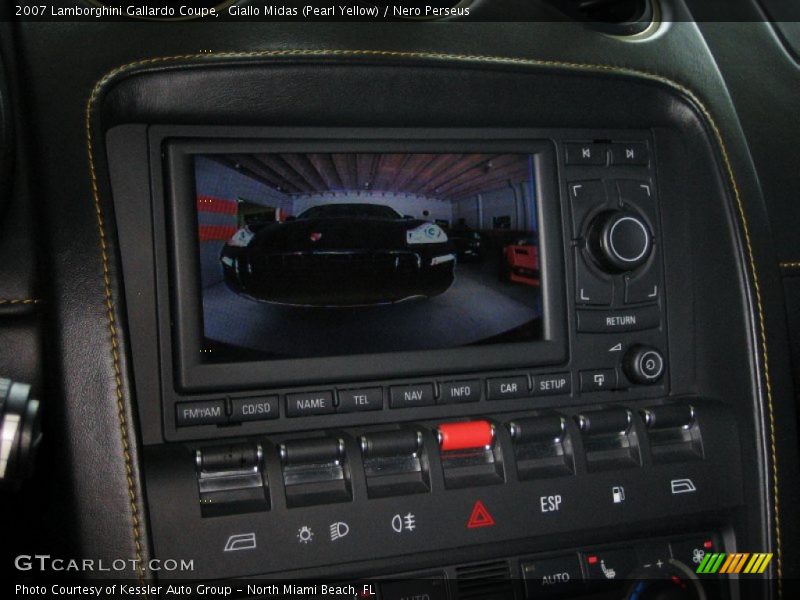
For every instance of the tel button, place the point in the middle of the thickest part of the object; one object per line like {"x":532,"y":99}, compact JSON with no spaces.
{"x":557,"y":576}
{"x":254,"y":409}
{"x":460,"y":391}
{"x":358,"y":400}
{"x":309,"y":403}
{"x":507,"y":388}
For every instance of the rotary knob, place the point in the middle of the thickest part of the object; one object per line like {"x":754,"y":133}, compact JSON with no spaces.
{"x":643,"y":364}
{"x":619,"y":241}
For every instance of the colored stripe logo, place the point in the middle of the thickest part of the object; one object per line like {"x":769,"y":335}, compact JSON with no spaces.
{"x":735,"y":562}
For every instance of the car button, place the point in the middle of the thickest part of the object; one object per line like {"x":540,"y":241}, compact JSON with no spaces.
{"x":309,"y":403}
{"x":507,"y":388}
{"x":585,"y":198}
{"x":408,"y":396}
{"x":360,"y":400}
{"x":591,"y":288}
{"x":632,"y":319}
{"x":585,"y":154}
{"x":632,"y":153}
{"x":548,"y":385}
{"x":610,"y":565}
{"x":558,"y":576}
{"x":254,"y":409}
{"x":460,"y":391}
{"x":208,"y":412}
{"x":598,"y":380}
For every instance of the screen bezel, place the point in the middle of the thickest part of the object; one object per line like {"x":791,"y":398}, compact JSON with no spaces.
{"x":192,"y":374}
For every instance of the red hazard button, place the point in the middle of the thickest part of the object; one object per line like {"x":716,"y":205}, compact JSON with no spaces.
{"x":480,"y":517}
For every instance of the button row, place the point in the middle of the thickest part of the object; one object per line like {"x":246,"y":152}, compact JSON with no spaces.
{"x":596,"y":153}
{"x":326,"y":402}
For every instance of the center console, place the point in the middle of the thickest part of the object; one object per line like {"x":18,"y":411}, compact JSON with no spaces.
{"x":443,"y":352}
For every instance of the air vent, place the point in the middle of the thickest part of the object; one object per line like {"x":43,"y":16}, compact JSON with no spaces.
{"x":484,"y":580}
{"x":617,"y":17}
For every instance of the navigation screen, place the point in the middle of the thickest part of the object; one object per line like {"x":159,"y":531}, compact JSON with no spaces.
{"x":310,"y":255}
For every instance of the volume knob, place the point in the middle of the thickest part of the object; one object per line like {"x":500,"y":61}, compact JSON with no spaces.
{"x":619,"y":241}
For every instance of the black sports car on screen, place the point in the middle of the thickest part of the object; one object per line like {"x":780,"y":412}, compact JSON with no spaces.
{"x":340,"y":255}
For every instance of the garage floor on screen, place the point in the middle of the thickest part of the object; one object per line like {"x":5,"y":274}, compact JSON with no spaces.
{"x":476,"y":307}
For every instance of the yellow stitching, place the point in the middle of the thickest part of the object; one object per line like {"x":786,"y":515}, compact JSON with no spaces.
{"x":791,"y":264}
{"x":498,"y":60}
{"x":21,"y":301}
{"x":109,"y":302}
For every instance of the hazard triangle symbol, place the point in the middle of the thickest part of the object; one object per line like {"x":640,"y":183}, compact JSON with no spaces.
{"x":480,"y":517}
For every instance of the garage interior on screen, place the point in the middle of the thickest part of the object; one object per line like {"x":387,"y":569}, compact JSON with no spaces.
{"x":478,"y":209}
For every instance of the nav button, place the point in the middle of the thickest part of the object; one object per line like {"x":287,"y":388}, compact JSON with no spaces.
{"x":409,"y":396}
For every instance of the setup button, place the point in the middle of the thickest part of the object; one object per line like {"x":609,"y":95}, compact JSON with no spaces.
{"x":547,"y":385}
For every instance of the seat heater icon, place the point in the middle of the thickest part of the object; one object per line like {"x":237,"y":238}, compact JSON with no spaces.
{"x":240,"y":541}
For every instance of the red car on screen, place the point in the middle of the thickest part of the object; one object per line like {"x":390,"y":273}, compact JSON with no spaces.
{"x":520,"y":262}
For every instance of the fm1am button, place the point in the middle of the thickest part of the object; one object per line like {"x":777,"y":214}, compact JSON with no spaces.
{"x":309,"y":403}
{"x":634,"y":319}
{"x":549,"y":385}
{"x":254,"y":409}
{"x":208,"y":412}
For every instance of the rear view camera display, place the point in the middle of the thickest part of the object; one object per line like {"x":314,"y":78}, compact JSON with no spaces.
{"x":310,"y":255}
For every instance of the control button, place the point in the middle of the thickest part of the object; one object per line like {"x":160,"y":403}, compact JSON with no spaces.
{"x":610,"y":565}
{"x":639,"y":196}
{"x":419,"y":588}
{"x":598,"y":380}
{"x":631,"y":153}
{"x":408,"y":396}
{"x":632,"y":319}
{"x":208,"y":412}
{"x":255,"y":409}
{"x":668,"y":416}
{"x":548,"y":385}
{"x":643,"y":364}
{"x":692,"y":551}
{"x":585,"y":154}
{"x":359,"y":400}
{"x":585,"y":198}
{"x":559,"y":576}
{"x":309,"y":403}
{"x":589,"y":287}
{"x":460,"y":391}
{"x":465,"y":435}
{"x":506,"y":388}
{"x":619,"y":241}
{"x":644,"y":287}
